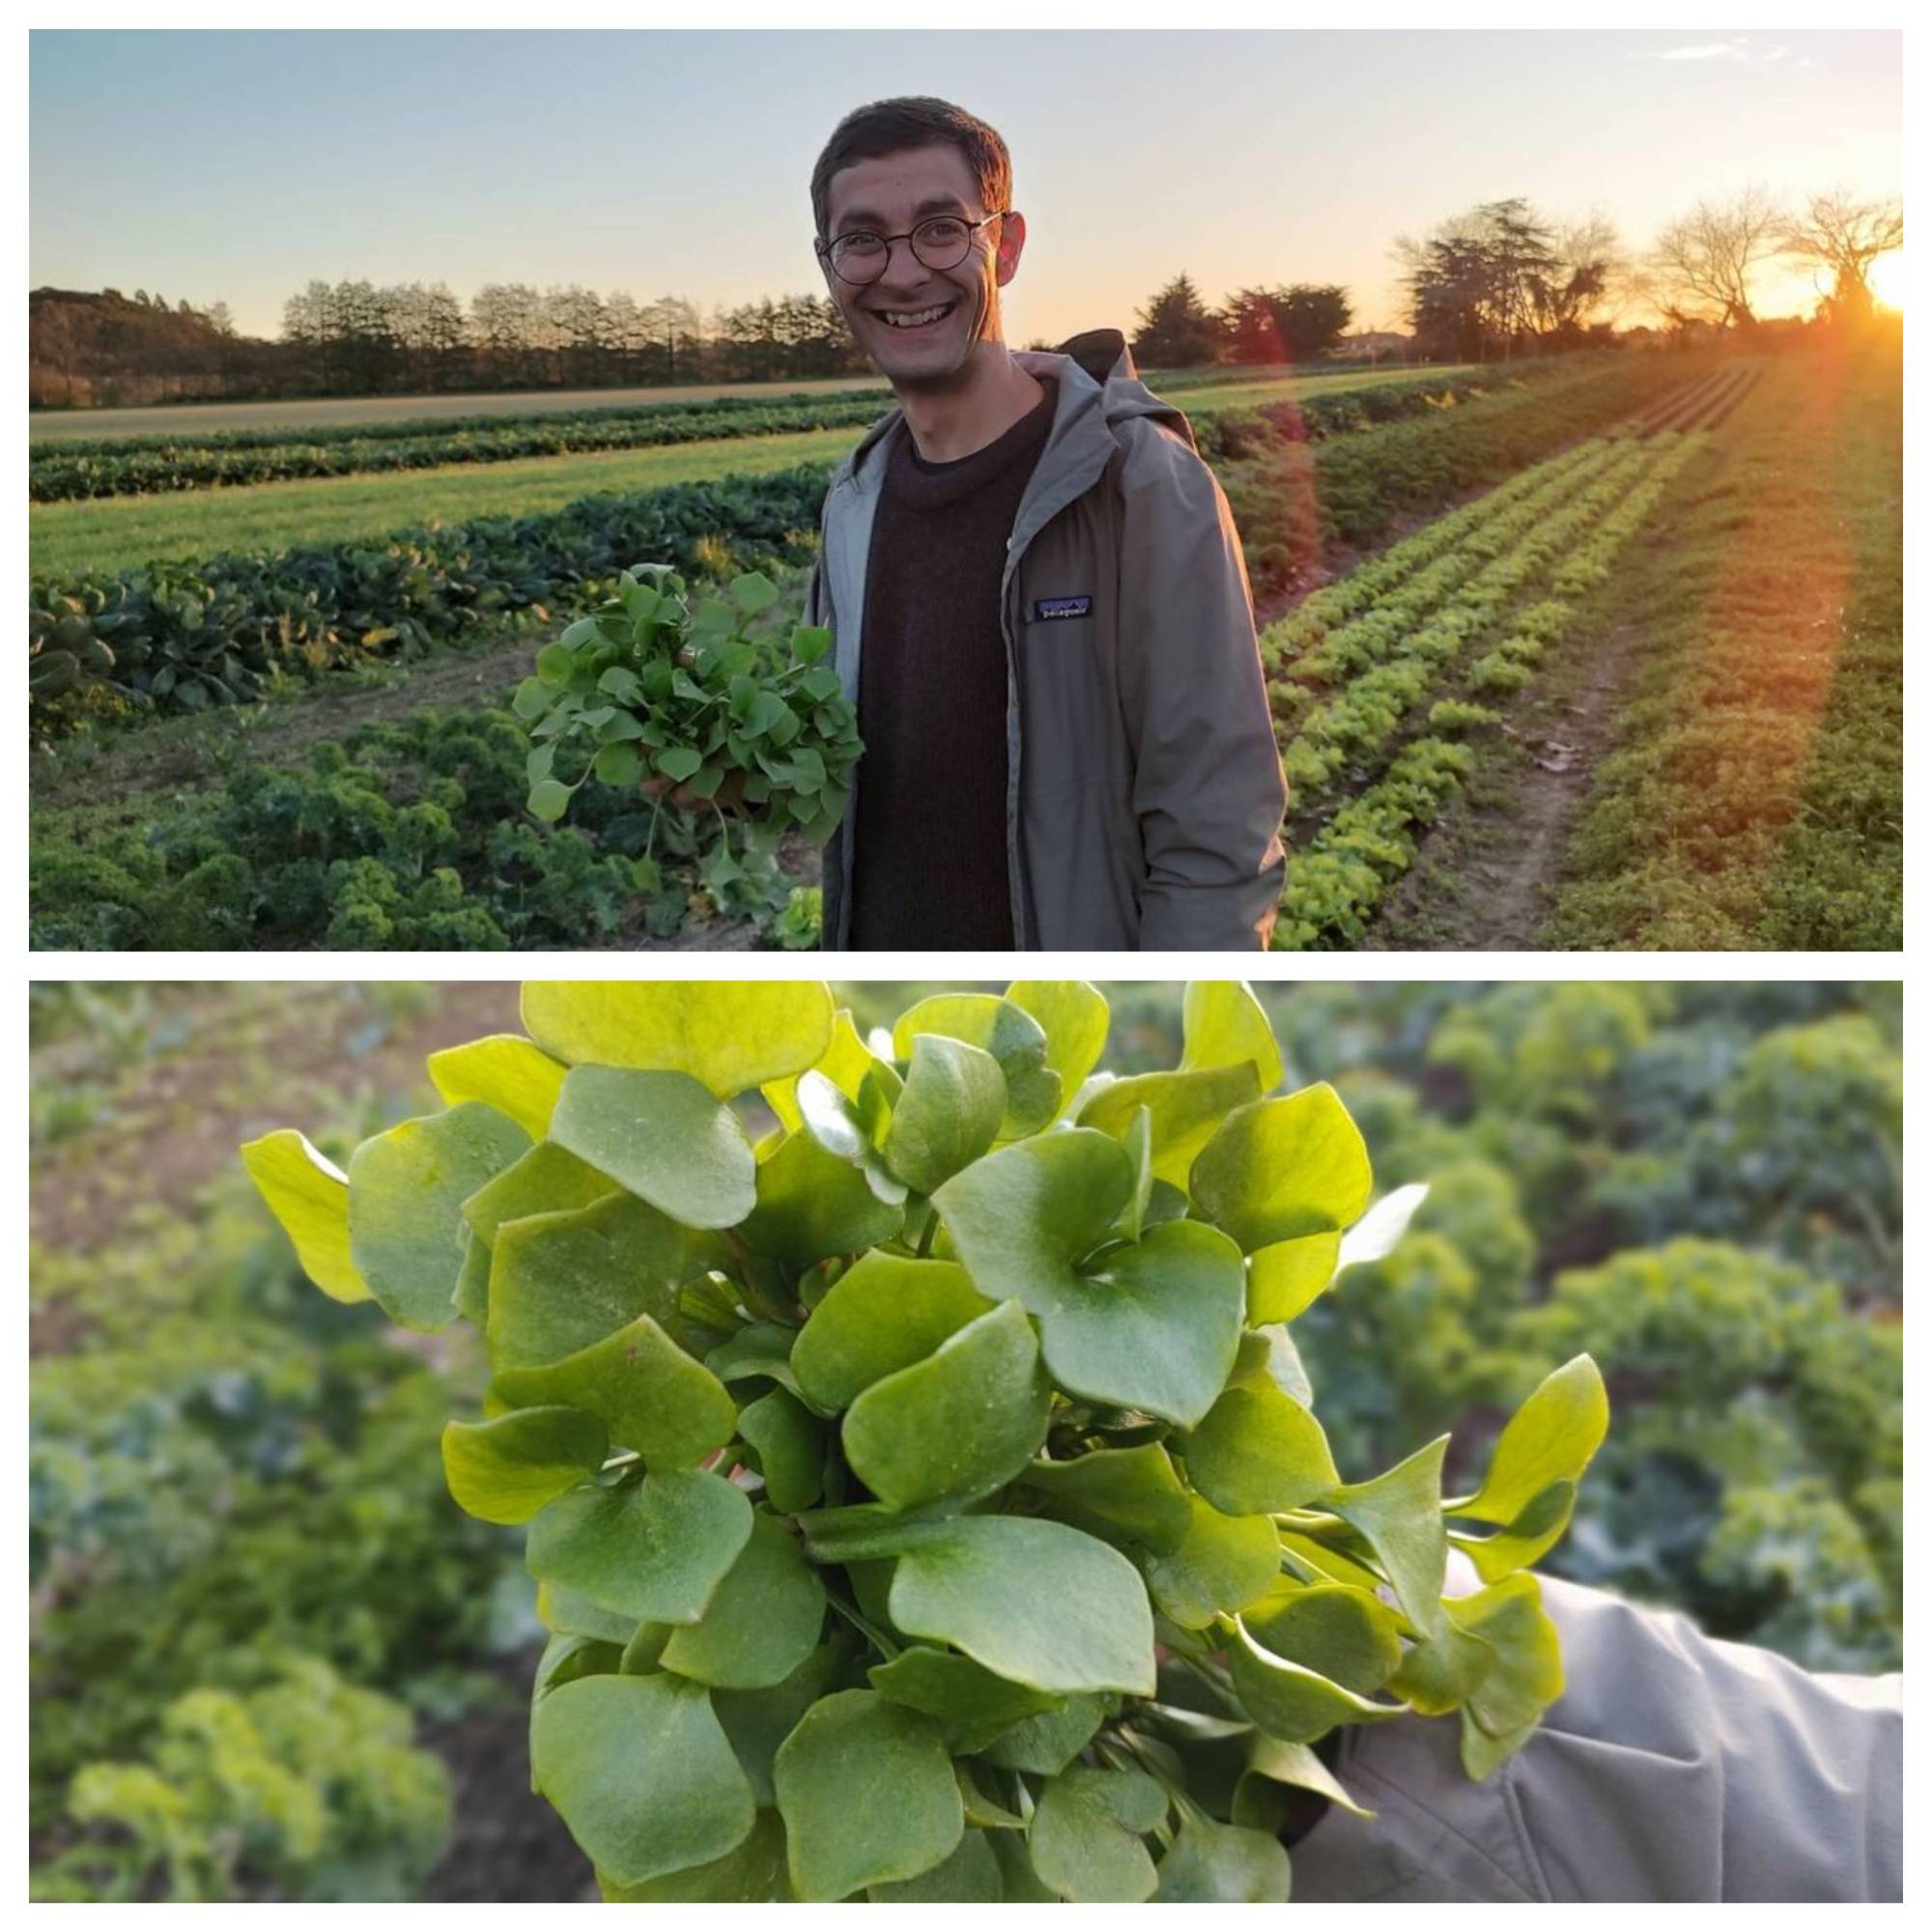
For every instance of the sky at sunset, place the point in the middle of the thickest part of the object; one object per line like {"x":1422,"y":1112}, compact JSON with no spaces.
{"x":245,"y":164}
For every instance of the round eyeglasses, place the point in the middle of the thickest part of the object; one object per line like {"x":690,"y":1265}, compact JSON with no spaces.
{"x":859,"y":256}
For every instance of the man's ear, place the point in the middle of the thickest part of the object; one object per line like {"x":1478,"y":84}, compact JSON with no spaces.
{"x":1013,"y":240}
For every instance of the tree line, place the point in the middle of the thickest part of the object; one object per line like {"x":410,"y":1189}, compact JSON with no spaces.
{"x":353,"y":339}
{"x":1502,"y":279}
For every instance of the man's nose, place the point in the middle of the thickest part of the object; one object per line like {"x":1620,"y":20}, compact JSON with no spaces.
{"x":904,"y":269}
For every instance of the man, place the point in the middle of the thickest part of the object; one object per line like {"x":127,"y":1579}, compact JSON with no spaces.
{"x":1067,"y":741}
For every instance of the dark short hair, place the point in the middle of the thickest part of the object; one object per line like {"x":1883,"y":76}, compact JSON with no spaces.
{"x":912,"y":121}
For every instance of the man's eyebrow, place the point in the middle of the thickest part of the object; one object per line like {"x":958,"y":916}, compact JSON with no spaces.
{"x":945,"y":204}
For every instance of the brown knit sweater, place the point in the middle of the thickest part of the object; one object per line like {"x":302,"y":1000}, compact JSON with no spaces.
{"x":929,"y":839}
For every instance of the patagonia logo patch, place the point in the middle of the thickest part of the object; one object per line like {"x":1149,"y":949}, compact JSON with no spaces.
{"x":1063,"y":607}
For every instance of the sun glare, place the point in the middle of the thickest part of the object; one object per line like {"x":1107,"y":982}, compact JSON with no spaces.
{"x":1887,"y":280}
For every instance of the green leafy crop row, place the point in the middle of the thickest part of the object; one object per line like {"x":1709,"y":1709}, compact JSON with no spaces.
{"x":65,"y":471}
{"x":871,"y":1469}
{"x":70,"y":469}
{"x":181,"y":638}
{"x":1295,"y":505}
{"x":403,"y":835}
{"x":1433,"y":601}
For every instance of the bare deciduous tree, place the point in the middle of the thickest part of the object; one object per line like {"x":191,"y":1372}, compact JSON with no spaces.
{"x":1701,"y":264}
{"x":1844,"y":237}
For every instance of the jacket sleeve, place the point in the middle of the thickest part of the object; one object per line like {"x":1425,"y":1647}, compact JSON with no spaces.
{"x":1208,"y":783}
{"x":1675,"y":1768}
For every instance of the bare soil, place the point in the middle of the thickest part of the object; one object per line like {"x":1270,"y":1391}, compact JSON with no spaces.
{"x":1487,"y":876}
{"x":172,"y":1122}
{"x":506,"y":1844}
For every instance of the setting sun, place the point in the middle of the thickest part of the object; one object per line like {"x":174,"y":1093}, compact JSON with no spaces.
{"x":1887,"y":280}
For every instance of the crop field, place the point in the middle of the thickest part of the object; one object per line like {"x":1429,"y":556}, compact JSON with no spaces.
{"x":116,"y":505}
{"x":1471,"y":587}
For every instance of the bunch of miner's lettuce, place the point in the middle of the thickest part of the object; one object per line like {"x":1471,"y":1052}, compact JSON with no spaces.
{"x":926,"y":1497}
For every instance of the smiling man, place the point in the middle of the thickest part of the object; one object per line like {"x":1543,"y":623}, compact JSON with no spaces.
{"x":1037,"y":595}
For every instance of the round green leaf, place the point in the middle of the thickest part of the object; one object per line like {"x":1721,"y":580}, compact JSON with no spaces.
{"x":1281,"y":1168}
{"x":1049,"y":1742}
{"x":810,"y":1204}
{"x":1527,"y":1675}
{"x":406,"y":1193}
{"x":1223,"y":1564}
{"x":1074,"y":1017}
{"x":844,"y":1063}
{"x":729,"y":1036}
{"x":885,"y":1313}
{"x":308,"y":1194}
{"x":789,"y":1444}
{"x":546,"y":1180}
{"x":1019,"y":1219}
{"x":1211,"y":1864}
{"x":1290,"y":1702}
{"x":661,"y":1136}
{"x":751,"y":1873}
{"x":1153,"y":1326}
{"x":764,"y":1620}
{"x":1285,"y":1277}
{"x":851,"y":1127}
{"x":1134,"y":1493}
{"x":759,"y":1721}
{"x":1185,"y":1110}
{"x":957,"y":1424}
{"x":569,"y":1614}
{"x":972,"y":1704}
{"x":1222,"y":1024}
{"x":947,"y":1117}
{"x":1011,"y":1035}
{"x":1257,"y":1451}
{"x":1348,"y":1634}
{"x":652,"y":1397}
{"x":506,"y":1471}
{"x":641,"y":1772}
{"x":549,"y":800}
{"x":620,"y":764}
{"x":658,"y":1550}
{"x":561,"y":1282}
{"x":971,"y":1876}
{"x":868,"y":1795}
{"x":1085,"y":1838}
{"x":1036,"y":1601}
{"x":504,"y":1070}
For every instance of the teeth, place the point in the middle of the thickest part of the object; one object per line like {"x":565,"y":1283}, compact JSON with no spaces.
{"x":915,"y":320}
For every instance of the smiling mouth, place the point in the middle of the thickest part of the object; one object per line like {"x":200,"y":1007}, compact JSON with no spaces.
{"x":909,"y":322}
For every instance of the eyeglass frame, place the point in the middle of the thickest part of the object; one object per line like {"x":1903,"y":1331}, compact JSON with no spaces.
{"x":823,"y":248}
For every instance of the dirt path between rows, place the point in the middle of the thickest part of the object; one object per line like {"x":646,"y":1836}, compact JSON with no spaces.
{"x":1486,"y":879}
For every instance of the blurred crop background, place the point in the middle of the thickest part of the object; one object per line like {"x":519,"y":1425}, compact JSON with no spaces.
{"x":272,"y":1659}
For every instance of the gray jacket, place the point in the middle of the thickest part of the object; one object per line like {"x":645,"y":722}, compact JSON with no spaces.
{"x":1144,"y":790}
{"x":1674,"y":1767}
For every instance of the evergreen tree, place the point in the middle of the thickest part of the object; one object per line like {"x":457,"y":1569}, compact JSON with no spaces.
{"x":1177,"y":330}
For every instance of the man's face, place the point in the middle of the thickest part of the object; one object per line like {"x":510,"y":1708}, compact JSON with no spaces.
{"x":890,"y":196}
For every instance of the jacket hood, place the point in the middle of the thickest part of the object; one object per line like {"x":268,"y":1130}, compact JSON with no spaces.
{"x":1099,"y":389}
{"x":1103,"y":354}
